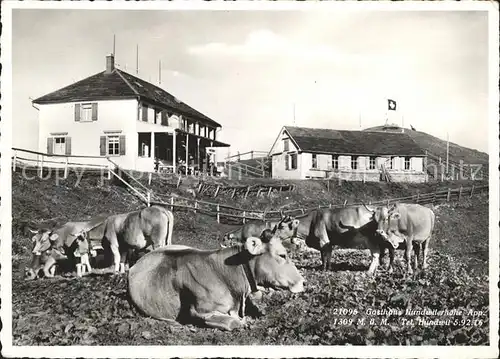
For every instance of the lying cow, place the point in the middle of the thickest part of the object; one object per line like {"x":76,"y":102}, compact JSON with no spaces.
{"x":411,"y":223}
{"x":209,"y":287}
{"x":128,"y":232}
{"x":287,"y":225}
{"x":51,"y":246}
{"x":348,"y":227}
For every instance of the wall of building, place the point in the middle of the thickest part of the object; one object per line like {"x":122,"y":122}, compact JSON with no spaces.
{"x":279,"y":167}
{"x":344,"y":172}
{"x":117,"y":117}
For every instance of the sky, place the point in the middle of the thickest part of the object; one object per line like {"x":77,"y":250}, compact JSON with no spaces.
{"x":256,"y":71}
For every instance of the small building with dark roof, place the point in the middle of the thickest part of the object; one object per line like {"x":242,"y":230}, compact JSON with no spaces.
{"x":301,"y":153}
{"x":115,"y":114}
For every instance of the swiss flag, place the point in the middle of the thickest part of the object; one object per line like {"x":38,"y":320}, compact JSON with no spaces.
{"x":392,"y":105}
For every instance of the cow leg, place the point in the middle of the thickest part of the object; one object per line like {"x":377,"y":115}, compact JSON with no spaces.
{"x":375,"y":260}
{"x":218,"y":320}
{"x":116,"y":256}
{"x":391,"y":259}
{"x":46,"y":268}
{"x":326,"y":255}
{"x":409,"y":247}
{"x":416,"y":257}
{"x":425,"y":248}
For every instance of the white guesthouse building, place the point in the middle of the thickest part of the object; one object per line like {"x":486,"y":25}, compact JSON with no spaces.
{"x":300,"y":153}
{"x":115,"y":114}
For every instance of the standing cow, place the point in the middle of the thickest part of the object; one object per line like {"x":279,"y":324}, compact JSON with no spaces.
{"x":411,"y":223}
{"x":127,"y":232}
{"x":209,"y":287}
{"x":349,"y":227}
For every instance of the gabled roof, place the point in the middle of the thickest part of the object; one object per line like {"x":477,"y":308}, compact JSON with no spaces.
{"x":120,"y":85}
{"x":319,"y":140}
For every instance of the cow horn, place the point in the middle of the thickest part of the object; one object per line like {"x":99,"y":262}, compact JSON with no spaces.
{"x":371,"y":210}
{"x":33,"y":231}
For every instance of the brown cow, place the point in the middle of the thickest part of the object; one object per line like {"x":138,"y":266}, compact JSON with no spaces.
{"x":137,"y":230}
{"x":209,"y":287}
{"x":410,"y":223}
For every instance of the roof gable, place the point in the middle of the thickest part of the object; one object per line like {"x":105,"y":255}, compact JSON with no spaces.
{"x":354,"y":142}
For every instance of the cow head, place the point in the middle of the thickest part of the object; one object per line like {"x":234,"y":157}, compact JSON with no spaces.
{"x":42,"y":241}
{"x":286,"y":228}
{"x":272,"y":266}
{"x":387,"y":220}
{"x":391,"y":230}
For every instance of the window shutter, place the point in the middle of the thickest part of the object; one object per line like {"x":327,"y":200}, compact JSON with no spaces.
{"x":94,"y":111}
{"x":102,"y":146}
{"x":122,"y":145}
{"x":77,"y":112}
{"x":145,"y":113}
{"x":68,"y":145}
{"x":50,"y":145}
{"x":164,"y":118}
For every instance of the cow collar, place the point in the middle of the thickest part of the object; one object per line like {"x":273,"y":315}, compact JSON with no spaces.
{"x":249,"y":274}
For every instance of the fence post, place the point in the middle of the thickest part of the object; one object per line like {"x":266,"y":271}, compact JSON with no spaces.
{"x":218,"y":214}
{"x":178,"y":182}
{"x":171,"y":204}
{"x":460,"y":193}
{"x":217,"y":191}
{"x":244,"y":217}
{"x":345,"y":202}
{"x":195,"y":206}
{"x":434,"y":198}
{"x":14,"y":161}
{"x":471,"y":191}
{"x":66,"y":168}
{"x":449,"y":194}
{"x":418,"y":196}
{"x":239,"y":172}
{"x":330,"y":205}
{"x":40,"y":172}
{"x":149,"y":199}
{"x":149,"y":178}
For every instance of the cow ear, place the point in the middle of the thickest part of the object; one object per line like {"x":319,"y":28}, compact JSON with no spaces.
{"x":53,"y":237}
{"x":254,"y":246}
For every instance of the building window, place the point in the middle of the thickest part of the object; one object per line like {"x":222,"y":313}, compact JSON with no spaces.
{"x":407,"y":163}
{"x":59,"y":146}
{"x":335,"y":162}
{"x":286,"y":144}
{"x":354,"y":162}
{"x":86,"y":112}
{"x":314,"y":161}
{"x":157,"y":116}
{"x":113,"y":145}
{"x":291,"y":161}
{"x":388,"y":163}
{"x":372,"y":164}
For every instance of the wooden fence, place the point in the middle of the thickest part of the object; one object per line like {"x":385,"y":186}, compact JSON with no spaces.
{"x":230,"y":213}
{"x":44,"y":161}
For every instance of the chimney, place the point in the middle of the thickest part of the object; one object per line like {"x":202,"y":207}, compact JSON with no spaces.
{"x":110,"y":64}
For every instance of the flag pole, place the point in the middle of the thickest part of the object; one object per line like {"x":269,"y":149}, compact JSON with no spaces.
{"x":294,"y":113}
{"x":447,"y":150}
